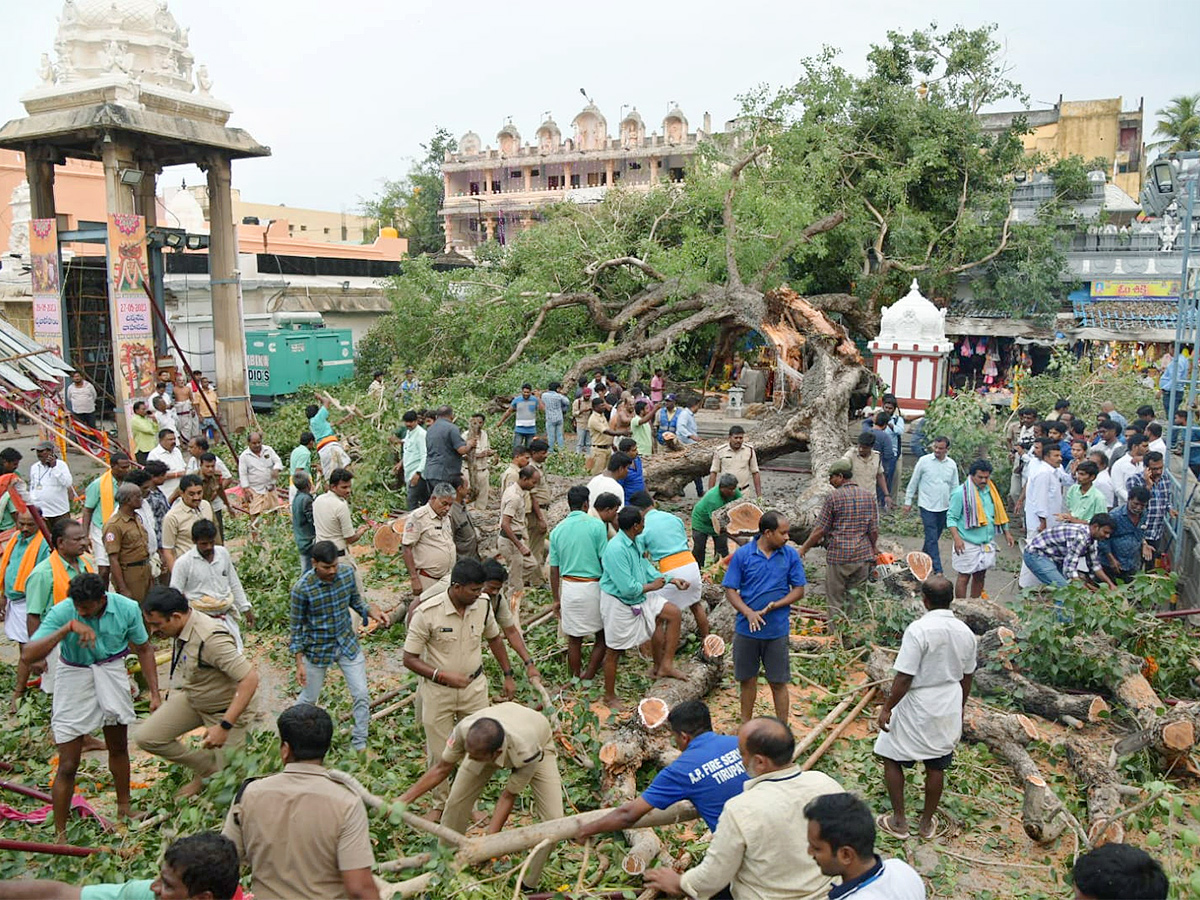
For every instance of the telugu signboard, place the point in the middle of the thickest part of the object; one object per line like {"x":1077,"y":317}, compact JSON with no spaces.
{"x":1135,"y":289}
{"x":46,"y":274}
{"x":129,"y":309}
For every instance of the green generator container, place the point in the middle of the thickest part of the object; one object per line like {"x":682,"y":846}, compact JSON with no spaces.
{"x":298,"y":352}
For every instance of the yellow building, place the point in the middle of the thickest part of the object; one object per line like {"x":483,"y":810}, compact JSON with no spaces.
{"x":1087,"y":128}
{"x":318,"y":225}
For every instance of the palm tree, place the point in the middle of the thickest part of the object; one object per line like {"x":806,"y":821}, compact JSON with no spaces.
{"x":1179,"y":125}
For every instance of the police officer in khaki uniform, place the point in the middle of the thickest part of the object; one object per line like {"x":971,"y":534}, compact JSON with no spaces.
{"x":736,"y":458}
{"x":303,"y":833}
{"x":504,"y":736}
{"x":520,"y":459}
{"x":514,"y":535}
{"x":428,"y":544}
{"x":444,"y":646}
{"x":212,"y":684}
{"x":540,"y":499}
{"x":128,"y":545}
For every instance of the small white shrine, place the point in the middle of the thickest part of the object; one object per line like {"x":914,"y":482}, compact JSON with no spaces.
{"x":911,"y":351}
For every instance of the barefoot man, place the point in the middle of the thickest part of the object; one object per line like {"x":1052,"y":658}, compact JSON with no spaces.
{"x":95,"y":630}
{"x":633,"y":607}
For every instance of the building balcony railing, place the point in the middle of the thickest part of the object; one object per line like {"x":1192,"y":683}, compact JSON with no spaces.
{"x":541,"y":193}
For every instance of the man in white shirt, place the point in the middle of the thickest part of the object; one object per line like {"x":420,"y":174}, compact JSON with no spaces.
{"x":50,"y":483}
{"x":1154,"y":432}
{"x":841,"y":840}
{"x":168,"y":453}
{"x":206,"y":575}
{"x":1110,"y":441}
{"x":258,"y":470}
{"x":1104,"y":483}
{"x":81,"y":399}
{"x":1044,"y":498}
{"x":331,"y":515}
{"x":1127,"y":466}
{"x":755,"y":851}
{"x":164,"y":416}
{"x":609,"y":481}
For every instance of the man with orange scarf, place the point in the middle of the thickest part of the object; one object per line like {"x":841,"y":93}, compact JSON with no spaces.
{"x":21,"y":553}
{"x":976,"y":512}
{"x":100,"y":502}
{"x":48,"y":582}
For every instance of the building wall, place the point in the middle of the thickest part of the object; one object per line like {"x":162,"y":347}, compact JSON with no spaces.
{"x":1091,"y":128}
{"x":318,"y":225}
{"x":78,"y":192}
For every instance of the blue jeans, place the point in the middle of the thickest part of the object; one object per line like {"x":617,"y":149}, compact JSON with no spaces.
{"x":583,"y":440}
{"x":521,"y":441}
{"x":934,"y":524}
{"x":1045,"y":569}
{"x":554,"y":434}
{"x":354,"y":670}
{"x":305,"y":562}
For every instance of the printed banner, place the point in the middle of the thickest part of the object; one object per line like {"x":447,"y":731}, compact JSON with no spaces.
{"x":1135,"y":289}
{"x":129,"y":311}
{"x":47,"y":302}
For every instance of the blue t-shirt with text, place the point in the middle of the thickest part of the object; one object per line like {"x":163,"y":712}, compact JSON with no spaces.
{"x":707,"y":773}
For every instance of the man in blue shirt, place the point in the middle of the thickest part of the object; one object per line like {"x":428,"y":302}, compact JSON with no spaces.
{"x":634,"y":480}
{"x":707,"y":772}
{"x":526,"y":407}
{"x":765,"y":577}
{"x":1125,"y":553}
{"x":557,"y":408}
{"x":1174,"y":382}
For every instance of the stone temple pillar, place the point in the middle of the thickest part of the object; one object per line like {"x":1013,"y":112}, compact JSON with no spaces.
{"x":229,"y":334}
{"x":39,"y":172}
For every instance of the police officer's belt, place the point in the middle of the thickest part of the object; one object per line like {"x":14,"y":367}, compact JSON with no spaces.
{"x":140,"y":562}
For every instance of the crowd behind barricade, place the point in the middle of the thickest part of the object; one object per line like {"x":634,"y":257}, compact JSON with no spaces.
{"x":622,"y":573}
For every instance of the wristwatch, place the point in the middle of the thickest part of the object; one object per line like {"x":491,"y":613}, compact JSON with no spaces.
{"x":228,"y":726}
{"x":507,"y":673}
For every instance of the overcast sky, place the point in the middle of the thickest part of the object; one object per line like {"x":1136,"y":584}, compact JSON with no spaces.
{"x":345,"y":92}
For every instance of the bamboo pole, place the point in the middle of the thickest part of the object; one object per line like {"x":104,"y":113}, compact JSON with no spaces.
{"x":837,"y":732}
{"x":812,"y":736}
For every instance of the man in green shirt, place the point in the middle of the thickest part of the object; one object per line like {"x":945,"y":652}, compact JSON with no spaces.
{"x":973,"y":517}
{"x":576,"y":545}
{"x":10,"y":459}
{"x":22,"y":552}
{"x":702,"y":527}
{"x":301,"y":460}
{"x":94,"y":629}
{"x":145,"y":432}
{"x":198,"y":867}
{"x":1084,"y":499}
{"x":633,"y":609}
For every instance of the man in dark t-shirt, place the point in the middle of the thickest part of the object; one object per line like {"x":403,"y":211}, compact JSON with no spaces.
{"x":708,"y":772}
{"x":444,"y":449}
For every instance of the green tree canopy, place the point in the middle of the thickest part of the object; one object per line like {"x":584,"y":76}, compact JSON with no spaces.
{"x":1179,"y":125}
{"x":411,"y":204}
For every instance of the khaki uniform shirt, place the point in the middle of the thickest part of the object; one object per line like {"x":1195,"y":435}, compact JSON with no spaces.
{"x":178,"y":522}
{"x":746,"y":851}
{"x":541,"y":493}
{"x":207,"y":665}
{"x":431,"y":538}
{"x":598,"y":425}
{"x":500,"y":608}
{"x":449,"y":641}
{"x":742,"y":463}
{"x":509,"y":477}
{"x":299,"y":830}
{"x":865,"y":471}
{"x":527,"y":738}
{"x":125,"y":538}
{"x":512,"y":503}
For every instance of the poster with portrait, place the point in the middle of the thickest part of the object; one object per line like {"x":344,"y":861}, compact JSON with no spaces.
{"x":129,"y":310}
{"x":45,"y":272}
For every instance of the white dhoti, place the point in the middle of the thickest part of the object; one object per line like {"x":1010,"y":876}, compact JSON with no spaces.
{"x":580,"y":607}
{"x":53,"y":661}
{"x":99,"y":554}
{"x":689,"y":572}
{"x":332,"y":457}
{"x":221,"y":610}
{"x":626,"y":627}
{"x":974,"y":558}
{"x":90,"y":697}
{"x":16,"y":625}
{"x":926,"y":724}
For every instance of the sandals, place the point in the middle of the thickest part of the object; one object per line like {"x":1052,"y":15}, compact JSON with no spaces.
{"x":935,"y":829}
{"x":884,"y":823}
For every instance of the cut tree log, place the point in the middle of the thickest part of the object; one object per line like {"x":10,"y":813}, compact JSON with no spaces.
{"x":1172,"y":735}
{"x":983,"y":615}
{"x":1103,"y":792}
{"x":1040,"y":699}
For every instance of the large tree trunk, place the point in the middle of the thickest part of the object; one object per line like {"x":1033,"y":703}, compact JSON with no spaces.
{"x":1103,"y":791}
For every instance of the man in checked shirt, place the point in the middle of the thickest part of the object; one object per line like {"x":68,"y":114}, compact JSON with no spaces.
{"x":1153,"y":478}
{"x":1067,"y":551}
{"x":323,"y":634}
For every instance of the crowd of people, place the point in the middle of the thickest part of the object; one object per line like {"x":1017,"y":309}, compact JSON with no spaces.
{"x":622,"y":574}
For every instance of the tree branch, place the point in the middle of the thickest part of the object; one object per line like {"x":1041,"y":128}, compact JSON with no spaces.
{"x":986,"y":259}
{"x":595,"y":268}
{"x":735,"y":275}
{"x":819,"y":227}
